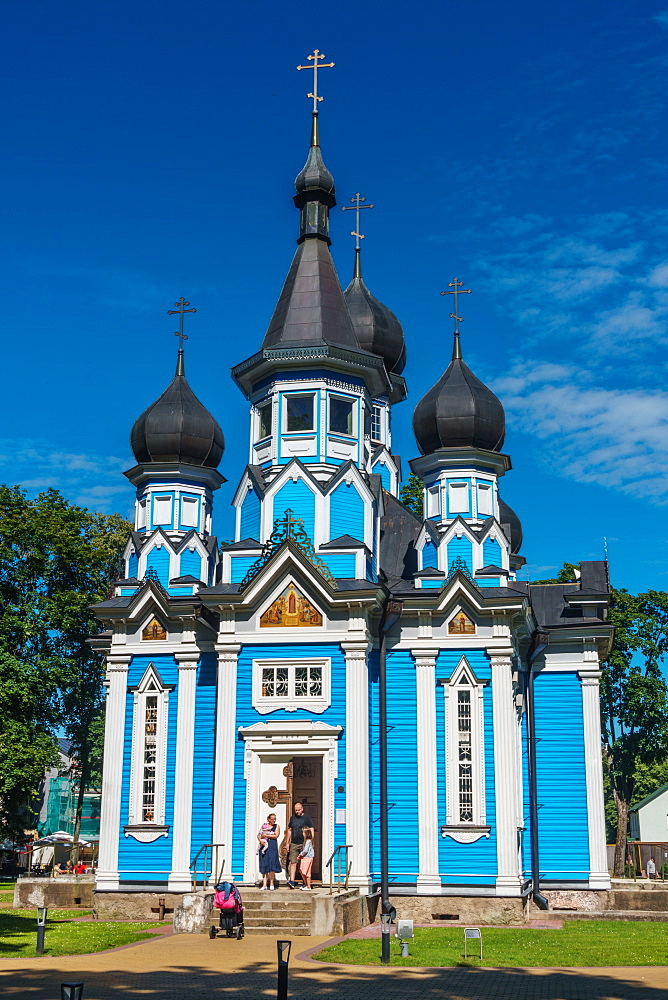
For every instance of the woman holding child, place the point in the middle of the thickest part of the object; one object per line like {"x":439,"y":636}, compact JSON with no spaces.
{"x":270,"y":863}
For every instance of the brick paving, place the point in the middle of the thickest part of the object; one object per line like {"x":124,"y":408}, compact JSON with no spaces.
{"x":191,"y":967}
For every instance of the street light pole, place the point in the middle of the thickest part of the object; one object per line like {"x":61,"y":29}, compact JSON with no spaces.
{"x":391,"y":614}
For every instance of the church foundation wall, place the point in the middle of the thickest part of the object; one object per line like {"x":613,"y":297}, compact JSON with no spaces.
{"x":63,"y":892}
{"x":443,"y":910}
{"x":134,"y":905}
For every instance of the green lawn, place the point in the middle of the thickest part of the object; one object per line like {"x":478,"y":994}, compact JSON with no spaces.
{"x":580,"y":942}
{"x":18,"y":933}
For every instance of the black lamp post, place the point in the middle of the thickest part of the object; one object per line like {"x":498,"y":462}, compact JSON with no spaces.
{"x":71,"y":991}
{"x":391,"y":614}
{"x":283,"y":948}
{"x":41,"y":927}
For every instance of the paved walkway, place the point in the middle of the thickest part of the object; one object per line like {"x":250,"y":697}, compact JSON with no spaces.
{"x":191,"y":967}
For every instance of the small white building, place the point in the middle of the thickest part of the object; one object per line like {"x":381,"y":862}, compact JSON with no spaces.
{"x":648,"y":820}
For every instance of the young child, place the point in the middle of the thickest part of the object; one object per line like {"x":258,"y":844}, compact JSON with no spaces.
{"x":306,"y":856}
{"x":264,"y":843}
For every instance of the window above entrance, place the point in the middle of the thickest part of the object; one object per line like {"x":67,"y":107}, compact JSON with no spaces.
{"x":291,"y":684}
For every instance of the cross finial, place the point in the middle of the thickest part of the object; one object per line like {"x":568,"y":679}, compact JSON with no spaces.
{"x":356,"y":207}
{"x":457,"y":290}
{"x":316,"y":64}
{"x":180,"y":310}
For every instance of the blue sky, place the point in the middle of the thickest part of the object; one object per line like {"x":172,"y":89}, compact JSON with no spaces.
{"x":149,"y":153}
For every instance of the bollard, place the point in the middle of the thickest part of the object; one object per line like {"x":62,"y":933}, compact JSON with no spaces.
{"x":41,"y":927}
{"x":283,"y":948}
{"x":71,"y":991}
{"x":385,"y":926}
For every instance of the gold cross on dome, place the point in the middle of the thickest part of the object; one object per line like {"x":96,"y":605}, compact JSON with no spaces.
{"x":180,"y":310}
{"x":457,"y":290}
{"x":315,"y":66}
{"x":356,"y":207}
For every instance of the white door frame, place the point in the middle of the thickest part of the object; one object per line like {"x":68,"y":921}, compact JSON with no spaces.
{"x":286,"y":739}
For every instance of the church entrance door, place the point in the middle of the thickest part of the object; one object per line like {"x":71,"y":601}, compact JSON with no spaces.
{"x":298,"y":779}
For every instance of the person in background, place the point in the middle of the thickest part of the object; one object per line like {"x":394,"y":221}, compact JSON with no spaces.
{"x":270,"y":863}
{"x":306,"y":856}
{"x":651,"y":868}
{"x":295,"y":839}
{"x":80,"y":868}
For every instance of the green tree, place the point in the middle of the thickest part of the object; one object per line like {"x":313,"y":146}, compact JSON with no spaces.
{"x":56,"y":559}
{"x":412,"y":495}
{"x":634,"y":700}
{"x":568,"y":573}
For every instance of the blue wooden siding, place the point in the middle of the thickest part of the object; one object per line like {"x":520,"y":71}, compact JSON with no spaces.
{"x":561,"y":779}
{"x":429,"y":555}
{"x":133,"y":566}
{"x":298,"y":498}
{"x":460,"y":548}
{"x":381,"y":469}
{"x":240,"y":566}
{"x":191,"y":564}
{"x":147,"y":863}
{"x":342,"y":565}
{"x":432,"y":583}
{"x":491,"y":553}
{"x":250,"y":517}
{"x":158,"y":559}
{"x":346,"y":512}
{"x":335,"y":715}
{"x":489,"y":581}
{"x":203,"y":762}
{"x":467,"y":864}
{"x":402,"y":768}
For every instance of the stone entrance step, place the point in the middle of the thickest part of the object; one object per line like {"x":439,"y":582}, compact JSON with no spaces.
{"x":652,"y":915}
{"x":283,"y":911}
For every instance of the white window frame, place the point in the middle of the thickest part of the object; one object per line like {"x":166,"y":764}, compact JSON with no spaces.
{"x":150,"y":685}
{"x":351,"y":400}
{"x":166,"y":501}
{"x":191,"y":504}
{"x":142,"y":513}
{"x":485,"y":490}
{"x":433,"y":501}
{"x":300,"y":395}
{"x":460,"y":489}
{"x":463,"y":679}
{"x":377,"y":415}
{"x":291,"y":703}
{"x":267,"y":403}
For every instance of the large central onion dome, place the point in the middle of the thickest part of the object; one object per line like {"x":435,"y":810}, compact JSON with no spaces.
{"x":378,"y":329}
{"x":178,"y":428}
{"x":459,"y":412}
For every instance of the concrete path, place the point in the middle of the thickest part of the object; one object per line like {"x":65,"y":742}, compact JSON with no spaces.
{"x":191,"y":967}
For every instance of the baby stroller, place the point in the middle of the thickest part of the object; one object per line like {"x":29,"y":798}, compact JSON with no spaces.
{"x":228,"y":900}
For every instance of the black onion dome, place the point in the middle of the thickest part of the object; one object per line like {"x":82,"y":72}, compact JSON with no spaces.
{"x":459,"y":411}
{"x":508,"y":516}
{"x":378,"y":329}
{"x":314,"y":174}
{"x":178,"y":428}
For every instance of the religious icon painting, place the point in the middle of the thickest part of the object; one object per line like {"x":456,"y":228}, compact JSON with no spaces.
{"x":461,"y":624}
{"x":154,"y":631}
{"x":291,"y":609}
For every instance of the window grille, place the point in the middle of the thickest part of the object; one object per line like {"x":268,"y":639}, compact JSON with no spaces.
{"x":376,"y":423}
{"x":150,"y":758}
{"x":292,"y":681}
{"x":465,"y":762}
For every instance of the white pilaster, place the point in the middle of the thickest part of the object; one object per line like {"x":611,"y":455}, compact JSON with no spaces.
{"x":223,"y":795}
{"x":357,"y":759}
{"x":429,"y":880}
{"x":599,"y":877}
{"x":106,"y":876}
{"x":180,"y":878}
{"x":508,"y":880}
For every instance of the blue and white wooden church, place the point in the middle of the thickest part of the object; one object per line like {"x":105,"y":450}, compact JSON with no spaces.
{"x":244,"y":677}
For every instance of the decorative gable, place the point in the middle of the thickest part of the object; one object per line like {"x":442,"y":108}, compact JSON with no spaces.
{"x":291,"y":609}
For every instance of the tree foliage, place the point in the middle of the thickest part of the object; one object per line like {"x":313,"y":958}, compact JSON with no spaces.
{"x":56,"y":559}
{"x":412,"y":495}
{"x":634,"y":702}
{"x":568,"y":573}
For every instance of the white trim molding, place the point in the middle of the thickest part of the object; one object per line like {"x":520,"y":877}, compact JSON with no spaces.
{"x":428,"y":880}
{"x":150,"y":685}
{"x":226,"y":735}
{"x":282,"y":740}
{"x":106,"y":876}
{"x":463,"y":679}
{"x":508,"y":881}
{"x":357,"y":760}
{"x":180,"y":878}
{"x":292,"y":702}
{"x":599,"y":877}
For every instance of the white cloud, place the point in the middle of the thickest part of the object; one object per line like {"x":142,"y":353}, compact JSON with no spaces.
{"x":661,"y":18}
{"x":613,"y":437}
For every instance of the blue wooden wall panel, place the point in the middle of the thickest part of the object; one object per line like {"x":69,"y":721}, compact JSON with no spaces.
{"x":432,"y":583}
{"x":298,"y":498}
{"x":429,"y":556}
{"x":346,"y":512}
{"x":133,"y":566}
{"x":381,"y":469}
{"x":239,"y":566}
{"x":491,"y":553}
{"x":488,"y":581}
{"x":158,"y":559}
{"x":341,"y":565}
{"x":461,"y":548}
{"x":335,"y":715}
{"x":191,"y":564}
{"x":526,"y":835}
{"x":250,"y":517}
{"x":203,"y":762}
{"x":561,"y":777}
{"x":468,"y":864}
{"x":148,"y":862}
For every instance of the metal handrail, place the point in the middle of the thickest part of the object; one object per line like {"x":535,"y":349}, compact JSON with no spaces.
{"x":346,"y":867}
{"x":205,"y":867}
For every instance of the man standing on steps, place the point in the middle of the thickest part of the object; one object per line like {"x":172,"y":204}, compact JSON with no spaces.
{"x":295,"y":839}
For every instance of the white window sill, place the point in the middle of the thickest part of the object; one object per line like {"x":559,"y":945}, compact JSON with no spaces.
{"x":266,"y":705}
{"x":465,"y":833}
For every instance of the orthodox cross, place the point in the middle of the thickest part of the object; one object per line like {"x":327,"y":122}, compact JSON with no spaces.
{"x":356,"y":207}
{"x":316,"y":65}
{"x":457,"y":290}
{"x":180,"y":310}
